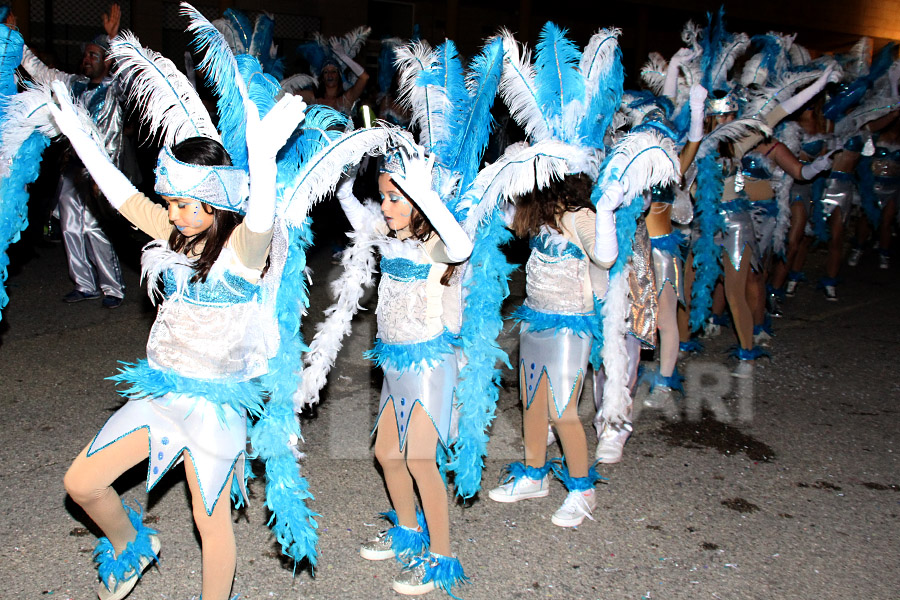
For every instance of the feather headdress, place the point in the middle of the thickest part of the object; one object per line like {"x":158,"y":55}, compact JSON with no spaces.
{"x":318,"y":52}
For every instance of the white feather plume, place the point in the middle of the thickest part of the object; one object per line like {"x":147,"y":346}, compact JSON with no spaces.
{"x":616,"y":396}
{"x":169,"y":103}
{"x":427,"y":104}
{"x":725,"y":61}
{"x":520,"y":170}
{"x":731,"y":132}
{"x":232,"y":37}
{"x":319,"y":175}
{"x":642,"y":159}
{"x":597,"y":59}
{"x":764,"y":98}
{"x":358,"y":261}
{"x":518,"y":90}
{"x":297,"y":82}
{"x":653,"y":73}
{"x":781,"y":183}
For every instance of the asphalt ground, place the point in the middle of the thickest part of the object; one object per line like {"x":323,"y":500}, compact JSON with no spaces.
{"x":783,"y":487}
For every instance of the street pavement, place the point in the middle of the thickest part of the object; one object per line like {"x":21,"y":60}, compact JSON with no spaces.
{"x":783,"y":486}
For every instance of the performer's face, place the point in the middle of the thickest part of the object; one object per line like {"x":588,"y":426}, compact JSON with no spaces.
{"x":331,"y":76}
{"x":395,"y":206}
{"x":93,"y":64}
{"x":189,"y":216}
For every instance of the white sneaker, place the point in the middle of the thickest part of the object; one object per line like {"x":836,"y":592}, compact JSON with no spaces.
{"x":744,"y":370}
{"x":120,"y":589}
{"x":831,"y":293}
{"x":711,"y":330}
{"x":762,"y":339}
{"x":660,"y":398}
{"x":521,"y":489}
{"x":612,"y":442}
{"x":575,"y":508}
{"x":854,"y":256}
{"x":790,"y":288}
{"x":378,"y":548}
{"x":884,"y":261}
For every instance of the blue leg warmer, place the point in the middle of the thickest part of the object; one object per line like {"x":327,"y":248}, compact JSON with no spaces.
{"x":136,"y":556}
{"x":752,"y":354}
{"x":576,"y":484}
{"x":405,"y":542}
{"x":444,"y":571}
{"x":654,"y":380}
{"x":691,"y":346}
{"x":516,"y":471}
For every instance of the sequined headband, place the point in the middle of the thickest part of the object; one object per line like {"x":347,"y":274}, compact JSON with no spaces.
{"x":720,"y":105}
{"x":392,"y":162}
{"x":222,"y":187}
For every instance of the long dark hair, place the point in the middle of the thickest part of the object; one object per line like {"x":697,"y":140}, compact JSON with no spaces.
{"x":546,"y":206}
{"x":206,"y":152}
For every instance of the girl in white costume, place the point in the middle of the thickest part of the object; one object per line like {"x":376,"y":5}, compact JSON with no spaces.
{"x":190,"y":398}
{"x":421,"y":244}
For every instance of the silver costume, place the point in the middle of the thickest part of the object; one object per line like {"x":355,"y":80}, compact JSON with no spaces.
{"x":555,"y":338}
{"x":886,"y":171}
{"x":92,"y":260}
{"x":644,"y":306}
{"x":764,"y":214}
{"x":839,"y":190}
{"x":668,"y":266}
{"x":739,"y":235}
{"x":418,"y":319}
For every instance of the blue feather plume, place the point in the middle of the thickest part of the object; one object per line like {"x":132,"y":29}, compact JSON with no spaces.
{"x":241,"y":24}
{"x":557,"y":77}
{"x":479,"y":379}
{"x":707,"y":254}
{"x":221,"y":71}
{"x":446,"y":74}
{"x":261,"y":46}
{"x":23,"y":170}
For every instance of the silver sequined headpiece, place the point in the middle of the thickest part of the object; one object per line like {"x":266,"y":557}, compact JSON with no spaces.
{"x":223,"y":187}
{"x":722,"y":102}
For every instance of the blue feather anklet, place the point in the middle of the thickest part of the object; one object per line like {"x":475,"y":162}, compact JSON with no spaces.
{"x":752,"y":354}
{"x":516,"y":471}
{"x":407,"y":543}
{"x":443,"y":571}
{"x":692,"y":346}
{"x":119,"y":574}
{"x":654,"y":379}
{"x":576,"y":484}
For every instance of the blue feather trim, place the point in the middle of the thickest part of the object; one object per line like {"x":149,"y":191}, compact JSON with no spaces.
{"x":292,"y":523}
{"x":655,"y":379}
{"x":479,"y":378}
{"x":575,"y":484}
{"x":690,"y":346}
{"x":673,"y":243}
{"x":125,"y":566}
{"x":797,"y":276}
{"x":752,"y":354}
{"x":597,"y":335}
{"x":707,"y":254}
{"x":557,"y":78}
{"x":765,"y":326}
{"x":23,"y":170}
{"x":444,"y":571}
{"x":826,"y":281}
{"x":582,"y":325}
{"x":405,"y":542}
{"x":147,"y":382}
{"x":516,"y":471}
{"x":605,"y":100}
{"x":418,"y":355}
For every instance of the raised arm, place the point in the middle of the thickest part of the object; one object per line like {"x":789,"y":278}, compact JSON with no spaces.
{"x":670,"y":86}
{"x":264,"y":139}
{"x":353,"y":94}
{"x":353,"y":208}
{"x":416,"y":183}
{"x":41,"y":72}
{"x":606,"y":245}
{"x":115,"y":186}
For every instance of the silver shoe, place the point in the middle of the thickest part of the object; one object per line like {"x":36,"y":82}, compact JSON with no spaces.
{"x":411,"y":580}
{"x":378,"y":548}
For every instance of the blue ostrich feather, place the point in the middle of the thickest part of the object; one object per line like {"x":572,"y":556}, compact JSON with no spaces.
{"x":707,"y":255}
{"x":261,"y":43}
{"x":751,"y":354}
{"x":690,"y":346}
{"x":656,"y":379}
{"x":287,"y":492}
{"x":447,"y":74}
{"x":386,"y":68}
{"x":557,"y":79}
{"x":23,"y":170}
{"x":479,"y":379}
{"x":597,"y":334}
{"x":516,"y":471}
{"x":147,"y":382}
{"x":314,"y":54}
{"x":605,"y":100}
{"x":221,"y":71}
{"x":471,"y":121}
{"x":241,"y":24}
{"x":840,"y":103}
{"x":405,"y":542}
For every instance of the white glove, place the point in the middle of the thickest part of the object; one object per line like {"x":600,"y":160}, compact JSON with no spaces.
{"x":821,"y":163}
{"x":355,"y":211}
{"x":351,"y":64}
{"x":671,"y":83}
{"x":613,"y":196}
{"x":793,"y":103}
{"x":416,"y":183}
{"x":697,"y":104}
{"x":606,"y":246}
{"x":114,"y":185}
{"x":264,"y":139}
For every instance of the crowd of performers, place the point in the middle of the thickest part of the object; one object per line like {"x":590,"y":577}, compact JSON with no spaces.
{"x":647,"y":214}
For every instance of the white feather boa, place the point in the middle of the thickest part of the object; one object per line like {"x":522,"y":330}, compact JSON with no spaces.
{"x":358,"y":260}
{"x":616,"y":395}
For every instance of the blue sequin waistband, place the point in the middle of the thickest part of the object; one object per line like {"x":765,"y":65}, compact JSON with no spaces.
{"x":841,"y":176}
